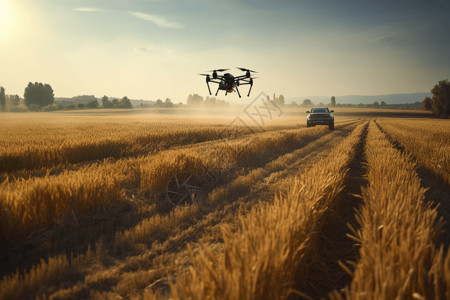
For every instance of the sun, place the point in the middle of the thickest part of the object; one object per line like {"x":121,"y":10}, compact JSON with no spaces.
{"x":5,"y":18}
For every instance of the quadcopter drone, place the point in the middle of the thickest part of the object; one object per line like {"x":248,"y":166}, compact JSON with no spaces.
{"x":228,"y":82}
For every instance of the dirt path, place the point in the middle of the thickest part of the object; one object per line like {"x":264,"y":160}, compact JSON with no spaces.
{"x":335,"y":246}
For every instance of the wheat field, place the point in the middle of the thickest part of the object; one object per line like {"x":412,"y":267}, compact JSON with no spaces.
{"x":194,"y":206}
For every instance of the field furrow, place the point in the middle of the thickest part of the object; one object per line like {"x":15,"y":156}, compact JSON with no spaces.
{"x":270,"y":254}
{"x":429,"y":144}
{"x":399,"y":258}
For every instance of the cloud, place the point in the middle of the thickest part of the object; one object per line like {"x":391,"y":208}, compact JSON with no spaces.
{"x":88,"y":9}
{"x":141,"y":49}
{"x":157,"y":20}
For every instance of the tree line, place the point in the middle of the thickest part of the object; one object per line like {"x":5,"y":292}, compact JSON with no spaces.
{"x":40,"y":97}
{"x":439,"y":103}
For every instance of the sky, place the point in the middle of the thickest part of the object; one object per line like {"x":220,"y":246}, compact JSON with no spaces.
{"x":150,"y":49}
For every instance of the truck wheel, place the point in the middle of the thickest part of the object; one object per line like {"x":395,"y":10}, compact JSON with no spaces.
{"x":331,"y":125}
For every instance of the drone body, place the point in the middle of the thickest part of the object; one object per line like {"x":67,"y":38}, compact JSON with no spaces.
{"x":228,"y":82}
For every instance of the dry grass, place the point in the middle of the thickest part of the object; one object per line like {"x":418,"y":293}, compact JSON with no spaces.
{"x":399,"y":259}
{"x":43,"y":202}
{"x":428,"y":142}
{"x":270,"y":253}
{"x":245,"y":243}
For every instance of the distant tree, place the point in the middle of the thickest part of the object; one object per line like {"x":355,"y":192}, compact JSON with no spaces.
{"x":195,"y":100}
{"x":383,"y":103}
{"x":92,"y":104}
{"x":125,"y":103}
{"x":80,"y":105}
{"x":159,"y":103}
{"x":38,"y":94}
{"x":307,"y":102}
{"x":441,"y":99}
{"x":333,"y":101}
{"x":168,"y":103}
{"x":427,"y":104}
{"x":376,"y":104}
{"x":85,"y":99}
{"x":115,"y":102}
{"x":13,"y":99}
{"x":2,"y":99}
{"x":106,"y":103}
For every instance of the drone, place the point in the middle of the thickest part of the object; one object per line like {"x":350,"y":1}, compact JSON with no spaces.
{"x":228,"y":82}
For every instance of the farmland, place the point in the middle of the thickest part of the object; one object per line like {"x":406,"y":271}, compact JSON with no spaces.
{"x":89,"y":206}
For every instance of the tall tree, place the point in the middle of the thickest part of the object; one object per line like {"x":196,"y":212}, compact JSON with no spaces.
{"x":2,"y":99}
{"x":38,"y":94}
{"x":441,"y":99}
{"x":333,"y":101}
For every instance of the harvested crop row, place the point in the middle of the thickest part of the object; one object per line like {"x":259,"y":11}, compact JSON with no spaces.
{"x":27,"y":205}
{"x":71,"y":151}
{"x":398,"y":256}
{"x":273,"y":248}
{"x":431,"y":148}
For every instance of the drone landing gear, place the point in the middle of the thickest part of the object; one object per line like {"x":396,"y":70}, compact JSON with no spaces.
{"x":251,"y":85}
{"x":237,"y":90}
{"x":217,"y":90}
{"x":207,"y":83}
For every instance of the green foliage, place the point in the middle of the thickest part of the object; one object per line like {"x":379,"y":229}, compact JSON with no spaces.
{"x":124,"y":103}
{"x":51,"y":107}
{"x":80,"y":105}
{"x":106,"y":103}
{"x":93,"y":104}
{"x":333,"y":101}
{"x":34,"y":107}
{"x":427,"y":104}
{"x":441,"y":99}
{"x":38,"y":94}
{"x":2,"y":99}
{"x":116,"y":103}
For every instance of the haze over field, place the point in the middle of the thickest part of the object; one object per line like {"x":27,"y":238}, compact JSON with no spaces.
{"x":154,"y":49}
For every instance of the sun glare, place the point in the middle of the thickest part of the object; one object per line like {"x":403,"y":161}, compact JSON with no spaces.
{"x":5,"y":18}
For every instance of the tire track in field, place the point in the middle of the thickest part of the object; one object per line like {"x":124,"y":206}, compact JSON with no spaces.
{"x":335,"y":246}
{"x":436,"y":193}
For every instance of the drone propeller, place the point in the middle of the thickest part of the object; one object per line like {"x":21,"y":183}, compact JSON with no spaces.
{"x":246,"y":70}
{"x":204,"y":74}
{"x":219,"y":70}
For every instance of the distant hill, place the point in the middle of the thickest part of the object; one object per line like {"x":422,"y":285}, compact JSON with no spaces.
{"x":357,"y":99}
